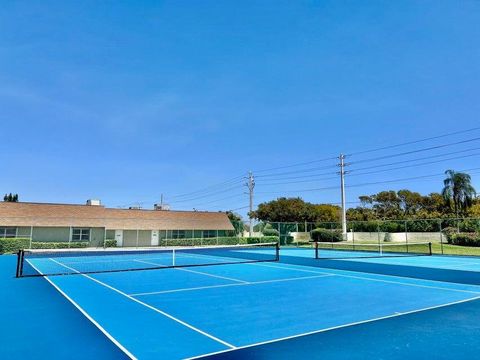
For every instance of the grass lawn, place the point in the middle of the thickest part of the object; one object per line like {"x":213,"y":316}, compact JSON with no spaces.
{"x":436,"y":248}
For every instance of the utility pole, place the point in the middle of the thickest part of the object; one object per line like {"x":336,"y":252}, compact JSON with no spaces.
{"x":342,"y":182}
{"x":250,"y":184}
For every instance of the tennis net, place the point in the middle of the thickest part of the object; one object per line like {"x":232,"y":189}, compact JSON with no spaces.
{"x":88,"y":261}
{"x":344,"y":250}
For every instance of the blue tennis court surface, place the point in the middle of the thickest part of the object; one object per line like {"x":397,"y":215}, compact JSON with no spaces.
{"x":225,"y":310}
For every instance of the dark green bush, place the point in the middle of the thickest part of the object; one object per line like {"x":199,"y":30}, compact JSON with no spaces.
{"x":323,"y":235}
{"x":110,"y":243}
{"x":364,"y":226}
{"x":469,"y":225}
{"x":218,"y":241}
{"x":449,"y":231}
{"x":465,"y":239}
{"x":288,"y":239}
{"x":259,"y":240}
{"x":58,"y":245}
{"x":13,"y":245}
{"x":268,"y":230}
{"x":391,"y":226}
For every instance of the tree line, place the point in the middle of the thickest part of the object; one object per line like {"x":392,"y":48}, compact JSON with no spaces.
{"x":457,"y":199}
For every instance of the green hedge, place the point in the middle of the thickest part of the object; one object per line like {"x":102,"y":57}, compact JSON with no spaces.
{"x":268,"y":230}
{"x":58,"y":245}
{"x":218,"y":241}
{"x":110,"y":243}
{"x":464,"y":239}
{"x":324,"y":235}
{"x":13,"y":245}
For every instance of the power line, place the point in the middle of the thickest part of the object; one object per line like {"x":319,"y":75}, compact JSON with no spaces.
{"x":218,"y":200}
{"x":359,"y":185}
{"x":416,"y":159}
{"x":371,"y":150}
{"x":204,"y":196}
{"x":414,"y":141}
{"x":313,"y":178}
{"x":297,"y":164}
{"x":412,"y":165}
{"x":415,"y":151}
{"x":298,"y":171}
{"x":226,"y":182}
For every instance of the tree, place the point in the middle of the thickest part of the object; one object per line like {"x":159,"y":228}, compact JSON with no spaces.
{"x":10,"y":197}
{"x":410,"y":202}
{"x":326,"y":213}
{"x":387,"y":204}
{"x":285,"y":210}
{"x":268,"y":230}
{"x":458,"y":190}
{"x":295,"y":210}
{"x":236,"y":221}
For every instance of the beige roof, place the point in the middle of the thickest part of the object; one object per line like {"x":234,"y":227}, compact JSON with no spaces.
{"x":60,"y":215}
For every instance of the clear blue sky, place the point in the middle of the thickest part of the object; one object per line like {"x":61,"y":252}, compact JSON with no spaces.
{"x":123,"y":101}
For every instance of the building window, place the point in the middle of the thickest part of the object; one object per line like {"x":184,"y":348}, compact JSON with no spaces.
{"x":80,"y":234}
{"x":178,"y":234}
{"x":209,"y":233}
{"x":8,"y":232}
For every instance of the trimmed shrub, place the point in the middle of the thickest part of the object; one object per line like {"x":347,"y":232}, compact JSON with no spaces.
{"x":259,"y":240}
{"x":388,"y":237}
{"x":449,"y":232}
{"x":364,"y":226}
{"x":58,"y":245}
{"x":391,"y":226}
{"x":12,"y":245}
{"x":323,"y":235}
{"x":465,"y":239}
{"x":289,"y":239}
{"x":110,"y":243}
{"x":469,"y":225}
{"x":268,"y":230}
{"x":218,"y":241}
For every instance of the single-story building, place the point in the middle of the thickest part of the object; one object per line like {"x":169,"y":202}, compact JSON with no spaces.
{"x":95,"y":223}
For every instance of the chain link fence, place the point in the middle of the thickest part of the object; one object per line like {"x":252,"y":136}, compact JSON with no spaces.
{"x":442,"y":233}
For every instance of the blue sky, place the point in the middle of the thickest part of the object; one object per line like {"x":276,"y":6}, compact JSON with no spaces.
{"x":123,"y":101}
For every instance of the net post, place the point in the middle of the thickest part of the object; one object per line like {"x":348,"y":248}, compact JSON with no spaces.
{"x":20,"y":256}
{"x":173,"y":257}
{"x":316,"y":250}
{"x":277,"y":252}
{"x":429,"y":248}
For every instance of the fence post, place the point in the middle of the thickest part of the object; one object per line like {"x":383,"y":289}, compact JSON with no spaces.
{"x":406,"y":234}
{"x":353,"y":234}
{"x":378,"y":232}
{"x":441,"y":235}
{"x":296,"y":238}
{"x":279,"y":234}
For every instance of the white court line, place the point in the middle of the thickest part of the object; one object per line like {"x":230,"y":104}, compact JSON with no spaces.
{"x":229,"y":285}
{"x":377,"y":280}
{"x":105,"y":332}
{"x":198,"y":272}
{"x":397,"y":314}
{"x":191,"y":327}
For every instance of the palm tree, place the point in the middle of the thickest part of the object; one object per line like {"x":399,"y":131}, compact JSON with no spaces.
{"x":459,"y":190}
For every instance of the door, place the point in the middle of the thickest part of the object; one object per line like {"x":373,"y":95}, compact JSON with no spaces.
{"x":155,"y":238}
{"x":119,"y":237}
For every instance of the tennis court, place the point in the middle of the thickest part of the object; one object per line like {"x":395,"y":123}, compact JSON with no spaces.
{"x":224,"y":302}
